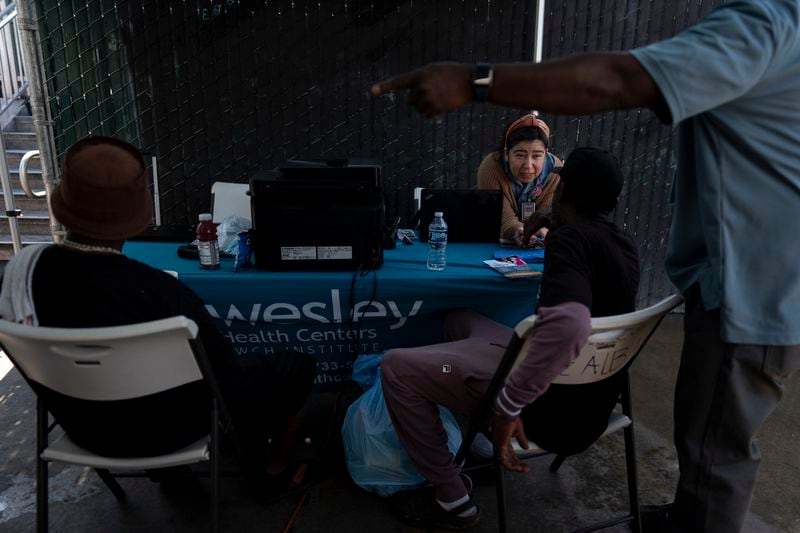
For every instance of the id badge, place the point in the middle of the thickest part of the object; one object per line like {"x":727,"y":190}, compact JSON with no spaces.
{"x":528,"y":209}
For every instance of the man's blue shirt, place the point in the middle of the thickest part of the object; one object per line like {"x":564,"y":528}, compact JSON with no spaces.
{"x":732,"y":84}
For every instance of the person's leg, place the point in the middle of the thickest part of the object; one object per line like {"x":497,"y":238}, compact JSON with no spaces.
{"x":723,"y":394}
{"x":282,"y":442}
{"x":417,"y":380}
{"x":265,"y":400}
{"x":465,"y":323}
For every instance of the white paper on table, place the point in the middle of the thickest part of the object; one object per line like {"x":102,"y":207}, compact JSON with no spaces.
{"x":230,"y":199}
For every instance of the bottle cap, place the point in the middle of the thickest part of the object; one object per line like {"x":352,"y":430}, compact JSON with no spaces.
{"x":205,"y":217}
{"x":438,"y":214}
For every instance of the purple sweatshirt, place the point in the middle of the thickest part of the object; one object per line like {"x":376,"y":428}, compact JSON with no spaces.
{"x":558,"y":336}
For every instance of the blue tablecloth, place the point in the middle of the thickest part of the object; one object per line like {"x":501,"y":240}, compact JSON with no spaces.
{"x":264,"y":312}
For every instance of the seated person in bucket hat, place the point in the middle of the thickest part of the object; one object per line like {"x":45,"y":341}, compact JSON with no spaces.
{"x":86,"y":281}
{"x":591,"y":269}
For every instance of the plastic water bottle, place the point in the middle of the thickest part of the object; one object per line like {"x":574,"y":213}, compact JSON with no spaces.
{"x":207,"y":245}
{"x":437,"y":242}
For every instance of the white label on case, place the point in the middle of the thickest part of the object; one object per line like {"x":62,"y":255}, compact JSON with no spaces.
{"x":298,"y":253}
{"x":335,"y":252}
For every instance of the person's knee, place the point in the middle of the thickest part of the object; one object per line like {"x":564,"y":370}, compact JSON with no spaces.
{"x":455,"y":321}
{"x":391,"y":362}
{"x":457,"y":316}
{"x":398,"y":364}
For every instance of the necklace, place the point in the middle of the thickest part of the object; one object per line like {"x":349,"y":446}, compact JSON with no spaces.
{"x":89,"y":248}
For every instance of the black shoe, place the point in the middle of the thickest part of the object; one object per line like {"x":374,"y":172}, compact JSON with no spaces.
{"x":656,"y":518}
{"x":418,"y":508}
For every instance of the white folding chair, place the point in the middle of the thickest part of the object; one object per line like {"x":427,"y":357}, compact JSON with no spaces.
{"x":230,"y":199}
{"x":614,"y":343}
{"x":418,"y":197}
{"x":108,"y":364}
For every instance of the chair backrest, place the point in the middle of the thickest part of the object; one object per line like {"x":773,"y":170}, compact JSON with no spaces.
{"x":612,"y":344}
{"x":230,"y":199}
{"x":109,"y":363}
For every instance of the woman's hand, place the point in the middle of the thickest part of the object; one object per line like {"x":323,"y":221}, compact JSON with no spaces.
{"x":534,"y":241}
{"x":518,"y":236}
{"x":537,"y":241}
{"x":538,"y":225}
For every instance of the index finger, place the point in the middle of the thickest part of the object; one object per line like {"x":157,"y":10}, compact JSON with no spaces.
{"x":401,"y":81}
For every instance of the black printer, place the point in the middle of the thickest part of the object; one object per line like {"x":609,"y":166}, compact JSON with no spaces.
{"x":318,"y":215}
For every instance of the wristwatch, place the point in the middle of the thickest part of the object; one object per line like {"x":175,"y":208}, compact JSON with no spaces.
{"x":481,"y":82}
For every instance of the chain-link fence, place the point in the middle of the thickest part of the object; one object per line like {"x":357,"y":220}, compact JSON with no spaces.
{"x":219,"y":89}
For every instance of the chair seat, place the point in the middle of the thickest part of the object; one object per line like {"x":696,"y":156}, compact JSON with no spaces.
{"x":616,"y":422}
{"x":64,"y":450}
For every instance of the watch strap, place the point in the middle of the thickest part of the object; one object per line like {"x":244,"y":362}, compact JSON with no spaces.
{"x":481,"y":82}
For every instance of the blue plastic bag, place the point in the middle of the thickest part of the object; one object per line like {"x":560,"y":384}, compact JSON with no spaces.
{"x":376,"y":460}
{"x":365,"y":369}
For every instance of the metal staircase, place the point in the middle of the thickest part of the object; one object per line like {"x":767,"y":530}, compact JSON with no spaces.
{"x":34,"y":222}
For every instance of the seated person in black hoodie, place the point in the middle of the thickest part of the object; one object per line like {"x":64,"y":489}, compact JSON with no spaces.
{"x":591,"y":269}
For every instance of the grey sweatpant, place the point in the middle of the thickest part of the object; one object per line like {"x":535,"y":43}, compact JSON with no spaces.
{"x":454,"y":374}
{"x":723,"y":394}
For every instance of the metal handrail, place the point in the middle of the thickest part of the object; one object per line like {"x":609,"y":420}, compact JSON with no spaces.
{"x":8,"y":197}
{"x":23,"y":175}
{"x":16,"y":68}
{"x":23,"y":88}
{"x":8,"y":14}
{"x":39,"y":98}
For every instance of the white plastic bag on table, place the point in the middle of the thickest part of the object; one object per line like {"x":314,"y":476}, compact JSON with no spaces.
{"x":228,"y":233}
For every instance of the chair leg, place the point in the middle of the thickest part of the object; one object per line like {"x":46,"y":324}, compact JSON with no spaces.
{"x":41,"y":469}
{"x":557,"y":462}
{"x":633,"y":483}
{"x":500,"y":489}
{"x":630,"y":458}
{"x":112,"y":484}
{"x":214,"y":466}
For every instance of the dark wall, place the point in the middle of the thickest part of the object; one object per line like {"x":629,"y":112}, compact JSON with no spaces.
{"x":221,"y":95}
{"x":220,"y":89}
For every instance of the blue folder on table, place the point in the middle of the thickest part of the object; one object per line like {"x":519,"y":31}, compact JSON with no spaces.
{"x":529,"y":255}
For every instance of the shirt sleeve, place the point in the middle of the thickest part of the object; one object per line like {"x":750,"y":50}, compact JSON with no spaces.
{"x":559,"y":335}
{"x":718,"y":59}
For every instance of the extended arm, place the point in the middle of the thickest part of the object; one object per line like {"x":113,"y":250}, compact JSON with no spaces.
{"x":561,"y":331}
{"x":580,"y":84}
{"x":585,"y":83}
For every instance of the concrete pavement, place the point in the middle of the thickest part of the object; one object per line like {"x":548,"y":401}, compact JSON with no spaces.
{"x":588,"y":487}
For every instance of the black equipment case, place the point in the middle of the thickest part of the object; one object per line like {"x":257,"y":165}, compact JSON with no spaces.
{"x":318,"y":215}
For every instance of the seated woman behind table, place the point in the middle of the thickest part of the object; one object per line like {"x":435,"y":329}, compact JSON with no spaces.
{"x":521,"y":167}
